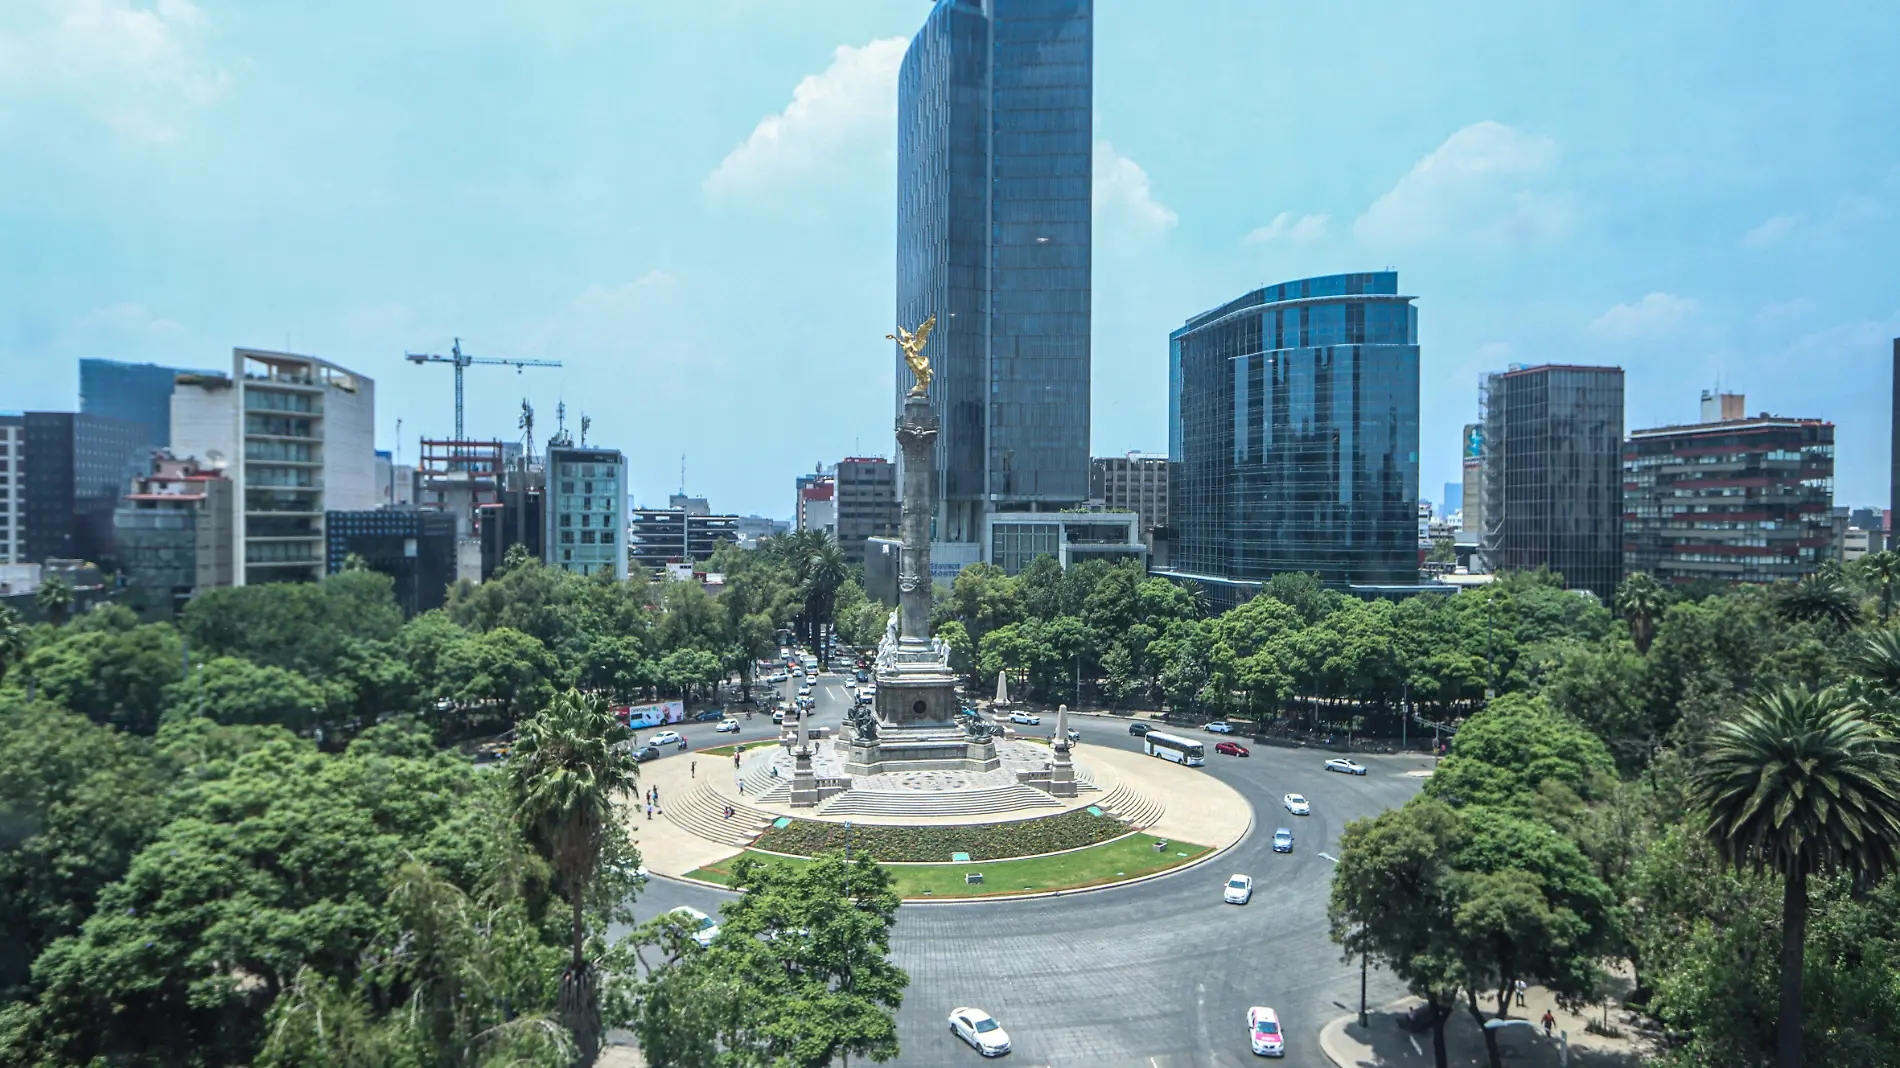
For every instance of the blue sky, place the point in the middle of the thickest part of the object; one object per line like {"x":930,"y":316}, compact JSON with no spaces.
{"x":690,"y":204}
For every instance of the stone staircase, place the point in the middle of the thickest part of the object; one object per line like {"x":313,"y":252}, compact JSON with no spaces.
{"x":958,"y":803}
{"x":702,"y":811}
{"x":1132,"y":807}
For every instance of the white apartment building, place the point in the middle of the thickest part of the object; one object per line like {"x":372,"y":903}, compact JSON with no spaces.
{"x":296,"y":437}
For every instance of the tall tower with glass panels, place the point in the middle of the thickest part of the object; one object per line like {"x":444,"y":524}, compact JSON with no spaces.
{"x":993,"y":199}
{"x":1293,"y":436}
{"x":586,"y":513}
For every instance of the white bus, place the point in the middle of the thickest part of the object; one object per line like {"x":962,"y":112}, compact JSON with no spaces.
{"x":1173,"y":747}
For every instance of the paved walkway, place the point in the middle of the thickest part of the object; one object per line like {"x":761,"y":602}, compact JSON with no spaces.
{"x":1386,"y":1044}
{"x":1194,"y":806}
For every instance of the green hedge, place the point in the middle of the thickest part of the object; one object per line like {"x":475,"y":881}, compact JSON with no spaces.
{"x":983,"y":841}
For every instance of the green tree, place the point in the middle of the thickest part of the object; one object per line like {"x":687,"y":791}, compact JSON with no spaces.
{"x":234,"y":691}
{"x":1798,"y":784}
{"x":107,"y":675}
{"x":1392,"y":900}
{"x":825,"y":573}
{"x":569,"y":770}
{"x":502,"y":675}
{"x":1883,"y":572}
{"x":1818,"y":598}
{"x":1519,"y":753}
{"x":1641,"y":602}
{"x":55,"y":599}
{"x":15,"y":640}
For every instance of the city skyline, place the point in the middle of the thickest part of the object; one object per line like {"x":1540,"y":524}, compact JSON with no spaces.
{"x":1542,"y":209}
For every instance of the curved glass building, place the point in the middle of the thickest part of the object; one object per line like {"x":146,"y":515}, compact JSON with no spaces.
{"x":1293,"y":436}
{"x":994,"y":106}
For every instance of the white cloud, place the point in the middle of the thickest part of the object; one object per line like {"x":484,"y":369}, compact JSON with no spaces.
{"x":1123,"y":197}
{"x":1480,"y":185}
{"x":127,"y":319}
{"x":1772,"y":230}
{"x":1301,"y":231}
{"x":850,"y":105}
{"x":1655,"y":314}
{"x":138,"y":68}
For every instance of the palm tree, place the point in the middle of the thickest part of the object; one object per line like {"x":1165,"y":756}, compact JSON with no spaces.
{"x":826,"y":570}
{"x":13,"y":639}
{"x":1641,"y":601}
{"x":1819,"y":598}
{"x":569,"y":770}
{"x":1883,"y":571}
{"x":55,"y":600}
{"x":1799,"y":783}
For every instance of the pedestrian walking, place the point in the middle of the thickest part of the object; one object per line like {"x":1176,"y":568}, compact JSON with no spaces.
{"x":1549,"y":1022}
{"x":742,"y":786}
{"x":1521,"y":988}
{"x":649,"y":812}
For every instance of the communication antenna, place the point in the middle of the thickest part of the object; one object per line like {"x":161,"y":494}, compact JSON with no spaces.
{"x":682,"y":474}
{"x":586,"y":422}
{"x":526,"y":423}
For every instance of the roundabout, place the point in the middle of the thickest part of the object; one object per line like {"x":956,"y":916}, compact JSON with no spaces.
{"x":1157,"y":972}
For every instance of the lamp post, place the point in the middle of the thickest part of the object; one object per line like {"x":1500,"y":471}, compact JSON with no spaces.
{"x":1362,"y":988}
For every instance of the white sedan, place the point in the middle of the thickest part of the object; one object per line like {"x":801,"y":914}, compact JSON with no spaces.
{"x":1218,"y":727}
{"x":665,"y":738}
{"x":727,"y":726}
{"x":1025,"y":717}
{"x":980,"y":1030}
{"x":1350,"y":767}
{"x":1239,"y":890}
{"x":1297,"y":805}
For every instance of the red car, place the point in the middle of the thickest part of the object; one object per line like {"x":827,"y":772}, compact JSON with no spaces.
{"x":1231,"y":748}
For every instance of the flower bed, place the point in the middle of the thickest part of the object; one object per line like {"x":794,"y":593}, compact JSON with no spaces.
{"x":982,"y":841}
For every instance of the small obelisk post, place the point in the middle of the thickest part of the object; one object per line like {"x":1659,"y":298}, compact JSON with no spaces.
{"x":1061,"y":769}
{"x":804,"y":780}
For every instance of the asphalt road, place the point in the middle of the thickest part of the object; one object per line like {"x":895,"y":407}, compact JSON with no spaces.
{"x":1159,"y":974}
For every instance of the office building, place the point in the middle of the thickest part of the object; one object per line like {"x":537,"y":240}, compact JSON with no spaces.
{"x":1720,"y":407}
{"x":1553,"y":473}
{"x":994,"y":142}
{"x":135,"y":392}
{"x":695,"y":505}
{"x":1137,"y":482}
{"x":513,"y":518}
{"x":174,"y":533}
{"x":1015,"y":539}
{"x":1454,"y":501}
{"x":12,"y":488}
{"x":416,"y":547}
{"x":77,"y":468}
{"x":296,"y":437}
{"x":662,"y":536}
{"x":817,"y":504}
{"x":864,"y":503}
{"x":1735,"y":500}
{"x":1293,"y":437}
{"x":753,"y":529}
{"x":586,"y":506}
{"x":395,"y":483}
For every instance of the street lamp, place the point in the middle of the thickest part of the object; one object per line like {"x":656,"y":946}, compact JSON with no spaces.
{"x":1563,"y":1037}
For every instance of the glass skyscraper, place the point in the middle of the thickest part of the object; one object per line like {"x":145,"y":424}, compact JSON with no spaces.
{"x":141,"y":392}
{"x":993,"y":200}
{"x":1293,"y":436}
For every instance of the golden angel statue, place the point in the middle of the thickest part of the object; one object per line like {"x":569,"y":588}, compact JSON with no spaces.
{"x":913,"y":346}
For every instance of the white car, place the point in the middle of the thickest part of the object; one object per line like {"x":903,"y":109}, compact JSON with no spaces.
{"x":1218,"y":727}
{"x":1263,"y":1032}
{"x":1350,"y":767}
{"x":704,"y":927}
{"x":1025,"y":717}
{"x":980,"y":1030}
{"x":727,"y":726}
{"x":665,"y":738}
{"x":1297,"y":805}
{"x":1239,"y":890}
{"x":805,"y":690}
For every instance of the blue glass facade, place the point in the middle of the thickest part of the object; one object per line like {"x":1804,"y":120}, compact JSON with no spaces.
{"x":141,"y":392}
{"x":993,"y":238}
{"x":1293,"y":433}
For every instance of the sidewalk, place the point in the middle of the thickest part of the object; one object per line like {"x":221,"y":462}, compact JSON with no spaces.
{"x":1386,"y":1044}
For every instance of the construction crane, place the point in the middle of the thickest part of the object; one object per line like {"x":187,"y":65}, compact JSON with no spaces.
{"x":461,"y":360}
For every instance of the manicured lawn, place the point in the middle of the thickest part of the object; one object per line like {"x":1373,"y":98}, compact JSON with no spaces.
{"x":1110,"y":862}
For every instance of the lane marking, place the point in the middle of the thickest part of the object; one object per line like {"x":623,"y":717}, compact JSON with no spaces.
{"x":1330,"y":857}
{"x":1415,"y":1047}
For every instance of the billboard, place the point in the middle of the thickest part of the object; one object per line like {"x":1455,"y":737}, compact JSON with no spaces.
{"x":653,"y":715}
{"x":1474,"y":441}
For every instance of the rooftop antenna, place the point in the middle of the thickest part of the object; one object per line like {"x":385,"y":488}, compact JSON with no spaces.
{"x":682,"y":474}
{"x":560,"y":425}
{"x":526,"y":423}
{"x":586,"y":422}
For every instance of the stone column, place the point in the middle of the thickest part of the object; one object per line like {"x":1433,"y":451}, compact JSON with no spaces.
{"x":917,"y":437}
{"x":1061,"y":769}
